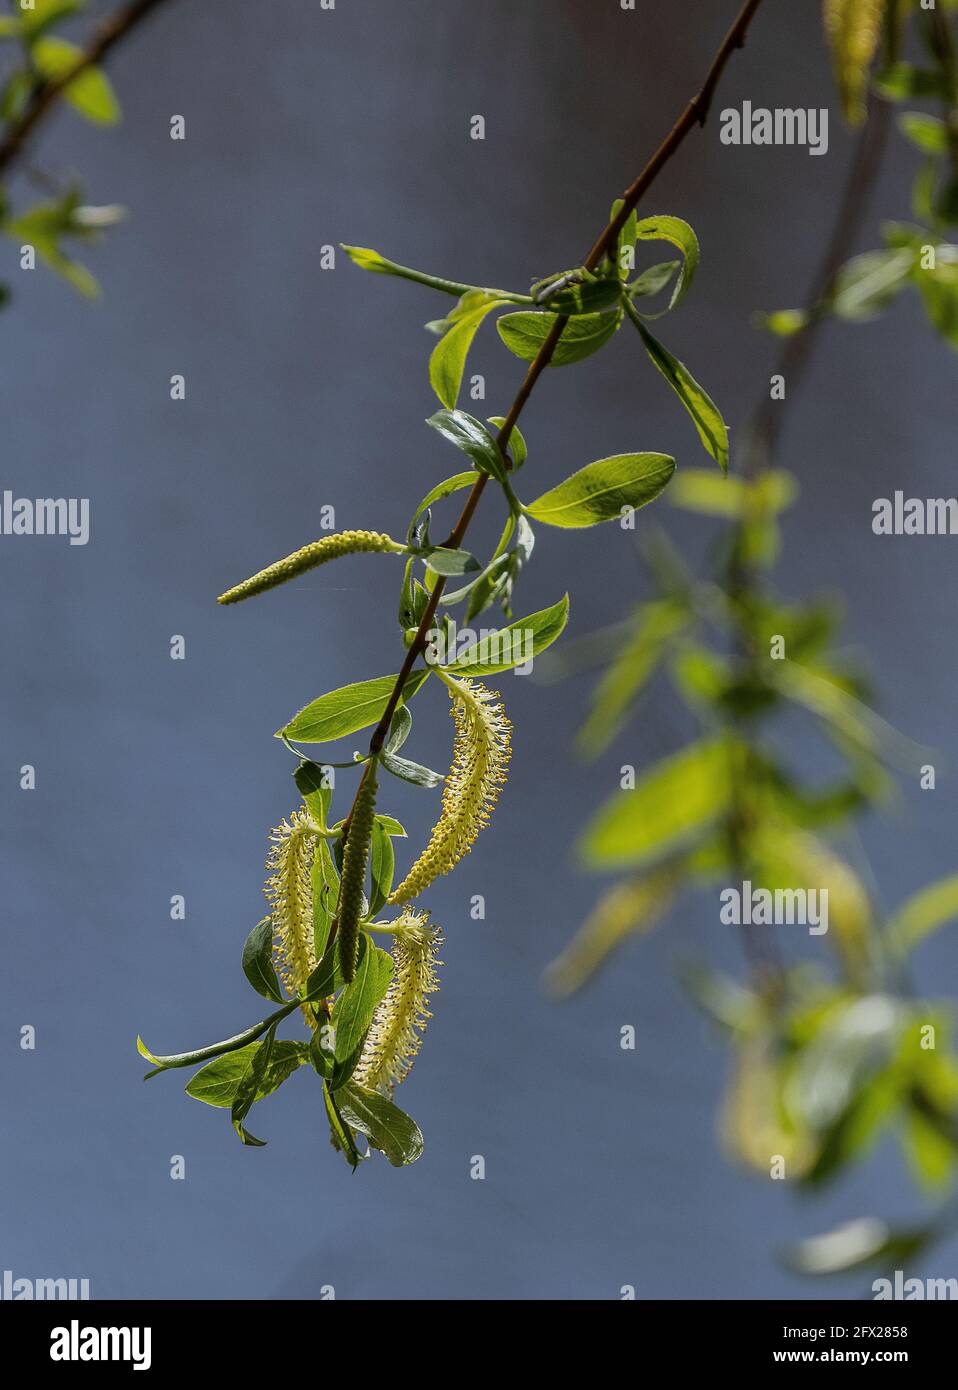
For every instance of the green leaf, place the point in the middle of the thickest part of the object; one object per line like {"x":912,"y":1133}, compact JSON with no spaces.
{"x":353,"y":1010}
{"x":409,"y":771}
{"x":515,"y":644}
{"x":706,"y":416}
{"x":517,"y":444}
{"x":341,"y":1134}
{"x":902,"y":81}
{"x":258,"y":961}
{"x":524,"y":333}
{"x":90,"y":92}
{"x":190,"y":1059}
{"x":392,"y":826}
{"x":249,"y":1085}
{"x":927,"y":132}
{"x":444,"y":489}
{"x":451,"y":562}
{"x":471,"y":436}
{"x":312,"y":781}
{"x":346,"y":710}
{"x":586,"y":297}
{"x":325,"y":888}
{"x":924,"y":913}
{"x":734,"y":498}
{"x":867,"y":284}
{"x":602,"y":490}
{"x":678,"y":797}
{"x":653,"y":280}
{"x":638,"y":657}
{"x":399,"y":730}
{"x":448,"y":360}
{"x":217,"y":1083}
{"x":382,"y":866}
{"x":680,"y":234}
{"x":387,"y":1128}
{"x":327,"y":978}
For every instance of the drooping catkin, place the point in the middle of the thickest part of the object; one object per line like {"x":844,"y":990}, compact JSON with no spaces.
{"x":289,"y":893}
{"x":480,"y":761}
{"x":395,"y":1035}
{"x":318,"y":553}
{"x":352,"y":883}
{"x":854,"y":29}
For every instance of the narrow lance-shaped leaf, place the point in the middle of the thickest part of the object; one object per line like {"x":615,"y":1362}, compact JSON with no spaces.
{"x":513,"y":645}
{"x":678,"y":797}
{"x":347,"y":710}
{"x":249,"y":1085}
{"x":604,"y":490}
{"x":353,"y":1010}
{"x":448,"y":360}
{"x":704,"y":413}
{"x":524,"y":333}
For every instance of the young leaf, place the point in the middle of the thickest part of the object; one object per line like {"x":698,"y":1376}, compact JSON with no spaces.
{"x":471,"y":436}
{"x":342,"y":1137}
{"x":513,"y":645}
{"x":354,"y":1008}
{"x":392,"y":826}
{"x":451,"y":562}
{"x":705,"y":414}
{"x":249,"y":1085}
{"x":653,"y":280}
{"x":924,"y":913}
{"x":680,"y":234}
{"x":217,"y":1083}
{"x":867,"y":284}
{"x":327,"y":978}
{"x":346,"y":710}
{"x":444,"y":489}
{"x":382,"y":863}
{"x":517,"y":449}
{"x":387,"y":1128}
{"x":678,"y":797}
{"x":587,"y":297}
{"x":602,"y":490}
{"x":524,"y":333}
{"x":927,"y":132}
{"x":203,"y":1054}
{"x":90,"y":91}
{"x":409,"y":771}
{"x":448,"y":360}
{"x":313,"y":785}
{"x":399,"y":730}
{"x":258,"y":961}
{"x":324,"y":884}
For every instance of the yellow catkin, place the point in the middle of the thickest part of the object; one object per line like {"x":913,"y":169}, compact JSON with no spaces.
{"x":353,"y":881}
{"x":329,"y":548}
{"x":480,"y":762}
{"x":853,"y":28}
{"x":289,"y":893}
{"x":395,"y":1035}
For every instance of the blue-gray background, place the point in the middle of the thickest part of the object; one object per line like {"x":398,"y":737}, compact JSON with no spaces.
{"x":307,"y":387}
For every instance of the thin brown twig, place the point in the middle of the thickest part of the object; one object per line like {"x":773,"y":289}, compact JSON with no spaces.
{"x":695,"y":113}
{"x":45,"y":95}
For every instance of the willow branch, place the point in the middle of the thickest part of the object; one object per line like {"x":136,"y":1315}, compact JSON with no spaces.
{"x":47,"y":94}
{"x":695,"y":113}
